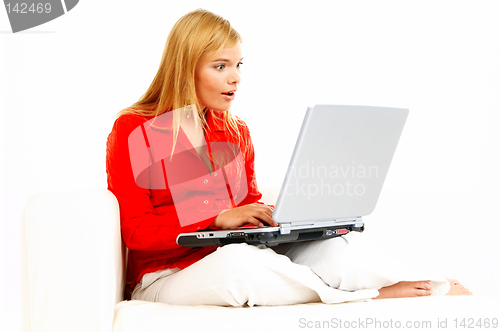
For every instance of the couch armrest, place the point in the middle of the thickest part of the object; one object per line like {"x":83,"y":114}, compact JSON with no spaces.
{"x":73,"y":261}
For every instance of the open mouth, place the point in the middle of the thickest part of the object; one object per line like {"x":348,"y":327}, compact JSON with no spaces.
{"x":229,"y":96}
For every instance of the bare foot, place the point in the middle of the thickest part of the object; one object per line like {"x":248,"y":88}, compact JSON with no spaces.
{"x":456,"y":288}
{"x":406,"y":289}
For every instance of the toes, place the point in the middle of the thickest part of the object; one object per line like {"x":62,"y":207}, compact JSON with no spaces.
{"x":422,"y":292}
{"x":456,"y":288}
{"x":466,"y":291}
{"x":425,"y":285}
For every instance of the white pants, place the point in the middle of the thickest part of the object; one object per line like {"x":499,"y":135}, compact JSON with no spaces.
{"x":332,"y":271}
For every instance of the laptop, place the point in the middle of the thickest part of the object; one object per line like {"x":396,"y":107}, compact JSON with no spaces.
{"x":334,"y":178}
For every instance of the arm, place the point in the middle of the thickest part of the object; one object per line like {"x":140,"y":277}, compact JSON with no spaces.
{"x":142,"y":228}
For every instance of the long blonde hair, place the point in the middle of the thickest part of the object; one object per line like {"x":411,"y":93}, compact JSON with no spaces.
{"x":195,"y":34}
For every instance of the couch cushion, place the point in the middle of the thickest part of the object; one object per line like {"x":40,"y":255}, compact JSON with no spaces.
{"x":445,"y":311}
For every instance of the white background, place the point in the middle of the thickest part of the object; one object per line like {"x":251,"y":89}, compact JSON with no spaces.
{"x":62,"y":83}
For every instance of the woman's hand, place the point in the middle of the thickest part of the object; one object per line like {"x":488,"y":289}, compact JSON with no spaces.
{"x":257,"y":214}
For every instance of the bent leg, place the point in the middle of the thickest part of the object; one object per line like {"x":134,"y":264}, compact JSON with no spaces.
{"x":240,"y":274}
{"x":350,"y":263}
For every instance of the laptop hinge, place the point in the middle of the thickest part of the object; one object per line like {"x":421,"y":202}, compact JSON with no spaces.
{"x":285,"y":228}
{"x":359,"y":222}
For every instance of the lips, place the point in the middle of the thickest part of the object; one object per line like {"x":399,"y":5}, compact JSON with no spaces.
{"x":229,"y":95}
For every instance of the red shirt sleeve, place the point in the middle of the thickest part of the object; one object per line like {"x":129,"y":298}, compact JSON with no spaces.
{"x":142,"y":227}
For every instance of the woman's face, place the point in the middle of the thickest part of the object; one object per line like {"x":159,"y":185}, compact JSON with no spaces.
{"x":217,"y":80}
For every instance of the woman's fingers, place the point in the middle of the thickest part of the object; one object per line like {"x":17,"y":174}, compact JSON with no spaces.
{"x":256,"y":222}
{"x":256,"y":214}
{"x":265,"y":217}
{"x":264,"y":213}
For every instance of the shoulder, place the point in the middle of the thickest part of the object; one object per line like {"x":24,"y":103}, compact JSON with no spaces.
{"x":129,"y":121}
{"x":242,"y":137}
{"x":242,"y":126}
{"x":239,"y":120}
{"x":122,"y":127}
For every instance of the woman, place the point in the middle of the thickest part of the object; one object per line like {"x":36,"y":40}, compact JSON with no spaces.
{"x":179,"y":161}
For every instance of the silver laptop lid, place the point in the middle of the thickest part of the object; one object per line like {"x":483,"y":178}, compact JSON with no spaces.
{"x":339,"y":163}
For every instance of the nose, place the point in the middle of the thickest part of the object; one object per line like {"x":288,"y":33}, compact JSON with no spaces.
{"x":234,"y":78}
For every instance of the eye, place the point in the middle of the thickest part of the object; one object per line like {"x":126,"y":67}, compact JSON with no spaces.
{"x":220,"y":67}
{"x":239,"y":64}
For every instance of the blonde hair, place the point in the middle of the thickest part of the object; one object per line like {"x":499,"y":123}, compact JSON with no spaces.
{"x":194,"y":35}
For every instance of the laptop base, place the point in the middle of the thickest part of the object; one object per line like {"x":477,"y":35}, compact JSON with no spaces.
{"x":269,"y":239}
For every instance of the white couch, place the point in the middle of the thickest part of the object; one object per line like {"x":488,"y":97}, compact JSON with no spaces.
{"x":73,"y":264}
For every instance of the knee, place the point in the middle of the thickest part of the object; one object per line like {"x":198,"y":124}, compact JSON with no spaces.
{"x":344,"y":245}
{"x":243,"y":258}
{"x":240,"y":254}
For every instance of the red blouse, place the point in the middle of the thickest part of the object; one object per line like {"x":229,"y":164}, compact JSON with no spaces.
{"x":160,"y":197}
